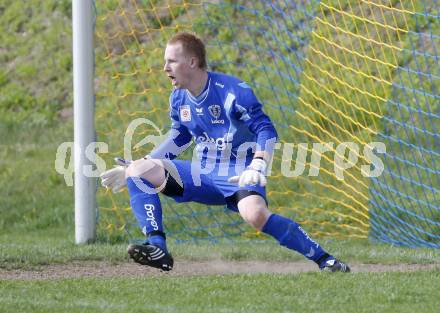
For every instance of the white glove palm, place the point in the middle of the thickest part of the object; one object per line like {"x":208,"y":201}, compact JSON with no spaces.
{"x":114,"y":179}
{"x":253,"y":175}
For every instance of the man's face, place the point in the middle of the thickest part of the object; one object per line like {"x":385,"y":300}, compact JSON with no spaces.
{"x":178,"y":66}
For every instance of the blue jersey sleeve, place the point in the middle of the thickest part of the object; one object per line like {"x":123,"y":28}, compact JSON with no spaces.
{"x":249,"y":110}
{"x":178,"y":139}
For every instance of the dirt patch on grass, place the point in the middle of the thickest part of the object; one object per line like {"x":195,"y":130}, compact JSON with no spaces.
{"x":191,"y":268}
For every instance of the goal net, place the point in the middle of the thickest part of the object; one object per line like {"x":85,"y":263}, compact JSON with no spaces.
{"x":335,"y":76}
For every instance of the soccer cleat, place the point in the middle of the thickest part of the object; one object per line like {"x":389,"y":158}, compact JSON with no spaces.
{"x":151,"y":255}
{"x":334,"y":265}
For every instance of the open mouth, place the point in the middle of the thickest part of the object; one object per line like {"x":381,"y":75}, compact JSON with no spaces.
{"x":173,"y":79}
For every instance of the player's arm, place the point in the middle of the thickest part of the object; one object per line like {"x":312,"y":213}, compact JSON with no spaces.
{"x":249,"y":110}
{"x":177,"y":141}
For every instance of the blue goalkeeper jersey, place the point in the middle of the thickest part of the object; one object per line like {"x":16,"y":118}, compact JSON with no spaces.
{"x":226,"y":120}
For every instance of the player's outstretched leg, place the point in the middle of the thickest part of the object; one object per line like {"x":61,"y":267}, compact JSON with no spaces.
{"x":151,"y":255}
{"x":292,"y":236}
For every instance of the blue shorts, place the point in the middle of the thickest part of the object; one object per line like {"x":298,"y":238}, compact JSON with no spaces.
{"x":211,"y":188}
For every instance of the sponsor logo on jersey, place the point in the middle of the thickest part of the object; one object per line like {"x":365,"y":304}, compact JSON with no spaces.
{"x":199,"y":111}
{"x":220,"y":85}
{"x":185,"y":113}
{"x":220,"y":143}
{"x":216,"y":110}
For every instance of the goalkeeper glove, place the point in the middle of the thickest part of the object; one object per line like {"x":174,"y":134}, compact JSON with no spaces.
{"x":253,"y":175}
{"x":114,"y":179}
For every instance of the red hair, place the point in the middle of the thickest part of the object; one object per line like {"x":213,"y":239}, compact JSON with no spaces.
{"x":192,"y":45}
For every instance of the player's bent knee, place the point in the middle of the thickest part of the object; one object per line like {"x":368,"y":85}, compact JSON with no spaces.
{"x":256,"y":219}
{"x":254,"y":211}
{"x":151,"y":170}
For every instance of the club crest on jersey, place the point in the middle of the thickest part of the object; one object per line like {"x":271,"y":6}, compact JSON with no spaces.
{"x":185,"y":113}
{"x":215,"y":110}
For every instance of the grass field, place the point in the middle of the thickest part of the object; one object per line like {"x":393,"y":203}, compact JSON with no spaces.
{"x":34,"y":249}
{"x":301,"y":292}
{"x":312,"y":292}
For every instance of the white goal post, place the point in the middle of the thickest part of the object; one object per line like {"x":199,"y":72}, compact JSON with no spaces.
{"x":84,"y":115}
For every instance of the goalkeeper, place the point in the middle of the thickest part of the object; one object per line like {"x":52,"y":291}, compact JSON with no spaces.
{"x":234,"y":142}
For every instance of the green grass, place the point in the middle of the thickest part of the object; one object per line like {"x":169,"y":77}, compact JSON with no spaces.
{"x":312,"y":292}
{"x":34,"y":197}
{"x":36,"y":249}
{"x":306,"y":292}
{"x":36,"y":61}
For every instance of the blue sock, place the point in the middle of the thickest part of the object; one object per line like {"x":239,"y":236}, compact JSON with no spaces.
{"x":158,"y":240}
{"x":291,"y":235}
{"x":147,"y":210}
